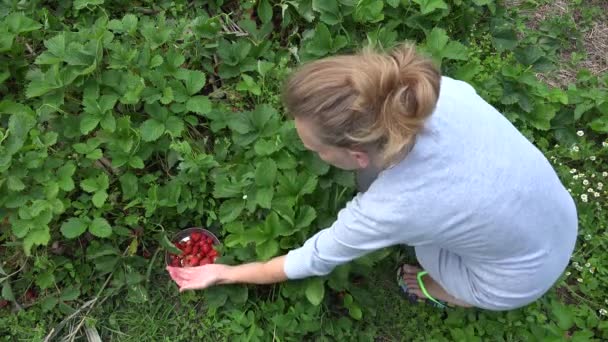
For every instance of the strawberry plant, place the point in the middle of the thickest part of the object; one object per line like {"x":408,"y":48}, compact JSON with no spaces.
{"x":124,"y":123}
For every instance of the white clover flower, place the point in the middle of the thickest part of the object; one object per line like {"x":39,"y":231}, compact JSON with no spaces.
{"x":244,"y":197}
{"x":603,"y":312}
{"x":588,"y":237}
{"x":585,"y":182}
{"x":575,"y":264}
{"x":568,"y":274}
{"x":604,"y":144}
{"x":574,"y":148}
{"x":596,"y":194}
{"x":575,"y":177}
{"x":580,"y":280}
{"x":590,"y":190}
{"x":587,"y":265}
{"x":604,"y":174}
{"x":584,"y":198}
{"x":606,"y":301}
{"x":573,"y":171}
{"x":600,"y":185}
{"x":580,"y":133}
{"x":592,"y":158}
{"x":592,"y":270}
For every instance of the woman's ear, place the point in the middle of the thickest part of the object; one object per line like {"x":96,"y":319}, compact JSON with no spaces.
{"x":361,"y":158}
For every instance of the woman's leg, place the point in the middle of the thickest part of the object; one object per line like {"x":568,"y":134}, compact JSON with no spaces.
{"x":431,"y":258}
{"x":410,"y":276}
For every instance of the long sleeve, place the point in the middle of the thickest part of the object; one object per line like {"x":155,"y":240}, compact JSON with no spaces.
{"x":369,"y":222}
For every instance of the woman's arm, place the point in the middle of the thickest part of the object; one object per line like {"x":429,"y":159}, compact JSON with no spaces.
{"x":196,"y":278}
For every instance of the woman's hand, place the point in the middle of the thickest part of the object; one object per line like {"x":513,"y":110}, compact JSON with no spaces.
{"x":197,"y":278}
{"x":202,"y":277}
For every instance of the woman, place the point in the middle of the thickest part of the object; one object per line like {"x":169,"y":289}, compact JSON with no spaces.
{"x":491,"y":223}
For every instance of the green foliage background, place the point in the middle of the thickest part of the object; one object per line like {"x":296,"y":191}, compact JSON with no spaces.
{"x":123,"y":122}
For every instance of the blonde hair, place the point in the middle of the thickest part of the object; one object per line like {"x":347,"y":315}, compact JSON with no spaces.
{"x":369,"y":100}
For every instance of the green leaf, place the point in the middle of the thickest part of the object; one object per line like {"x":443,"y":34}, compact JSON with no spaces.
{"x":99,"y":198}
{"x":20,"y":122}
{"x":267,"y":249}
{"x":49,"y":303}
{"x":265,"y":173}
{"x":355,"y":312}
{"x":321,"y":43}
{"x":19,"y":23}
{"x":262,"y":115}
{"x":265,"y":147}
{"x":151,"y":130}
{"x":80,"y":4}
{"x":231,"y":209}
{"x":264,"y":11}
{"x":194,"y":80}
{"x":45,"y":279}
{"x":437,"y":40}
{"x":563,"y":314}
{"x":88,"y":122}
{"x":305,"y":216}
{"x":7,"y":291}
{"x":128,"y":184}
{"x":70,"y":293}
{"x":73,"y":228}
{"x":369,"y":11}
{"x":129,"y":23}
{"x":541,"y":116}
{"x":175,"y":126}
{"x":136,"y":162}
{"x":329,"y":10}
{"x":89,"y":185}
{"x":167,"y":244}
{"x":263,"y":196}
{"x":428,"y":6}
{"x":315,"y":290}
{"x":15,"y":184}
{"x":600,"y":124}
{"x":100,"y":227}
{"x":36,"y":237}
{"x":455,"y":50}
{"x":199,"y":104}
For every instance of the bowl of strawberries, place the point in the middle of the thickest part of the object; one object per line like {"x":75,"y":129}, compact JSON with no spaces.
{"x":198,"y":248}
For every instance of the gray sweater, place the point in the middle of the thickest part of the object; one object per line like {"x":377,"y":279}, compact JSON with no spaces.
{"x":471,"y":185}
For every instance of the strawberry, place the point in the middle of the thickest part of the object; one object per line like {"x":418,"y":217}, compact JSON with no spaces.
{"x":212,"y":253}
{"x":194,"y":261}
{"x":195,"y":236}
{"x":206,"y":249}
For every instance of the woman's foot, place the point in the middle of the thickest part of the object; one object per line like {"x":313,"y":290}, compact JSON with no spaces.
{"x":410,"y":274}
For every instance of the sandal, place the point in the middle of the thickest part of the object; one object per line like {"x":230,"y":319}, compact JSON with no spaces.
{"x":414,"y":298}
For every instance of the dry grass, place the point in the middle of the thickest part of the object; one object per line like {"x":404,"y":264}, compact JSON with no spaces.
{"x":595,"y":40}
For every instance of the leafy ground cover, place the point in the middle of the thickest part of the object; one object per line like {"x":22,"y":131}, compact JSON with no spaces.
{"x":124,"y":122}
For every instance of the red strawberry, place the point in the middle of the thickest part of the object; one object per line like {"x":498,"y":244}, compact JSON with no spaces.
{"x":209,"y":240}
{"x":188,"y":250}
{"x":206,"y":249}
{"x":194,"y":261}
{"x":212,"y":253}
{"x":30,"y":294}
{"x":195,"y":236}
